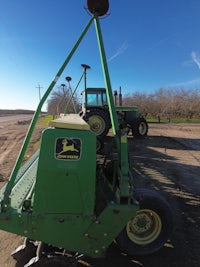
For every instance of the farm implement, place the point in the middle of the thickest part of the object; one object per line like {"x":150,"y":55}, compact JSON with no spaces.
{"x":67,"y":200}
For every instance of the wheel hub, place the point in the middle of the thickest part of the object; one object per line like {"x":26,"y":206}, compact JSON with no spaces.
{"x":145,"y":227}
{"x":142,"y":128}
{"x":97,"y":124}
{"x":141,"y":223}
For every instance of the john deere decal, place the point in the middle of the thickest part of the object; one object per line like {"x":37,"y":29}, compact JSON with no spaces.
{"x":68,"y":148}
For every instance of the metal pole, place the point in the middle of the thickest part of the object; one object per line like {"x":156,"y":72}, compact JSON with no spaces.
{"x":120,"y":140}
{"x":85,"y":67}
{"x":120,"y":96}
{"x":66,"y":109}
{"x":113,"y":114}
{"x":71,"y":94}
{"x":39,"y":87}
{"x":61,"y":99}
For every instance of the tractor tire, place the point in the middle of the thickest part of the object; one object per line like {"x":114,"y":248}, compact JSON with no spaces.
{"x":99,"y":144}
{"x":151,"y":226}
{"x":139,"y":128}
{"x":99,"y":121}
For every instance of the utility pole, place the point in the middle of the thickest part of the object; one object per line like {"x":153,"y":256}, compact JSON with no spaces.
{"x":39,"y":87}
{"x":85,"y":67}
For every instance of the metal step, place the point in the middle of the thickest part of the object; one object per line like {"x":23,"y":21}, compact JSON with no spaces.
{"x":24,"y":183}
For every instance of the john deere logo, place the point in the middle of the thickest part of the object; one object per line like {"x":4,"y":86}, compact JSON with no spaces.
{"x":68,"y":148}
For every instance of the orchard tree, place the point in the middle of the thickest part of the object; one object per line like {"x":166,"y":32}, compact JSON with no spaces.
{"x":59,"y":101}
{"x":167,"y":103}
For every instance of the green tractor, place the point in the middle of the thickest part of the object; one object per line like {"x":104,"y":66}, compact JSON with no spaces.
{"x":95,"y":112}
{"x":68,"y":201}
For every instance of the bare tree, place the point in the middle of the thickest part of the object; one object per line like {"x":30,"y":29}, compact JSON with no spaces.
{"x":59,"y":101}
{"x":167,"y":103}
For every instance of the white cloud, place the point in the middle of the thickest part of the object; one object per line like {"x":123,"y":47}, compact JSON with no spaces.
{"x":160,"y":42}
{"x":195,"y":58}
{"x":188,"y":63}
{"x":119,"y":51}
{"x":195,"y":82}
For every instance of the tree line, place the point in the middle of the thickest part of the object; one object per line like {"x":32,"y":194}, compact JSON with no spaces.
{"x":167,"y":103}
{"x":163,"y":103}
{"x":61,"y":101}
{"x":8,"y":112}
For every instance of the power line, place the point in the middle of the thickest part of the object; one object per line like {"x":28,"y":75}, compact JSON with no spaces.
{"x":39,"y":87}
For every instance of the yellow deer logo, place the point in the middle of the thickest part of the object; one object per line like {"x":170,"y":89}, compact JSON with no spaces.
{"x":66,"y":147}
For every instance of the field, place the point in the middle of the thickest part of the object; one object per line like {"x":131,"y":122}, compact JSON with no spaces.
{"x":168,"y":160}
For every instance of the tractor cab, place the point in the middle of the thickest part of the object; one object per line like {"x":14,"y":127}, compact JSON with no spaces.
{"x":95,"y":97}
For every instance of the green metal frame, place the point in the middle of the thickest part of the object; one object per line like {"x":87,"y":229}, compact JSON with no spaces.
{"x":113,"y":115}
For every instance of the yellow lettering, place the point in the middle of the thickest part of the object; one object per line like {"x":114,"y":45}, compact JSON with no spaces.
{"x":67,"y":157}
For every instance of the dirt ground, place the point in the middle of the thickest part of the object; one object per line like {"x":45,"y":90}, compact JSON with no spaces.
{"x":168,"y":160}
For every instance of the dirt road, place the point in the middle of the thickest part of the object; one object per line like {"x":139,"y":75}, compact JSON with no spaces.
{"x":15,"y":118}
{"x":168,"y":160}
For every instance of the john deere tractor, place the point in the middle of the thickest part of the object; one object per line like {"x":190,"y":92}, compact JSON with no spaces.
{"x":67,"y":200}
{"x":95,"y":112}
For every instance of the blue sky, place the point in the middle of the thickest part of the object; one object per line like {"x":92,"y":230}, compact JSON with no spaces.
{"x":149,"y":45}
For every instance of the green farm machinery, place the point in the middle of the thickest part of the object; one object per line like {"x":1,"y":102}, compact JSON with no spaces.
{"x":95,"y":112}
{"x":68,"y":201}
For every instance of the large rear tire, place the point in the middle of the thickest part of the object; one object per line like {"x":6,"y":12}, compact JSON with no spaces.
{"x":139,"y":127}
{"x":99,"y":121}
{"x":151,"y":226}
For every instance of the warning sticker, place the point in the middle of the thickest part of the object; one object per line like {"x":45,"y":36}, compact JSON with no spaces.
{"x":68,"y":148}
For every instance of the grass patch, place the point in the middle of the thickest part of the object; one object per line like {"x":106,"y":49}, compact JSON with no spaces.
{"x":173,"y":120}
{"x":45,"y":120}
